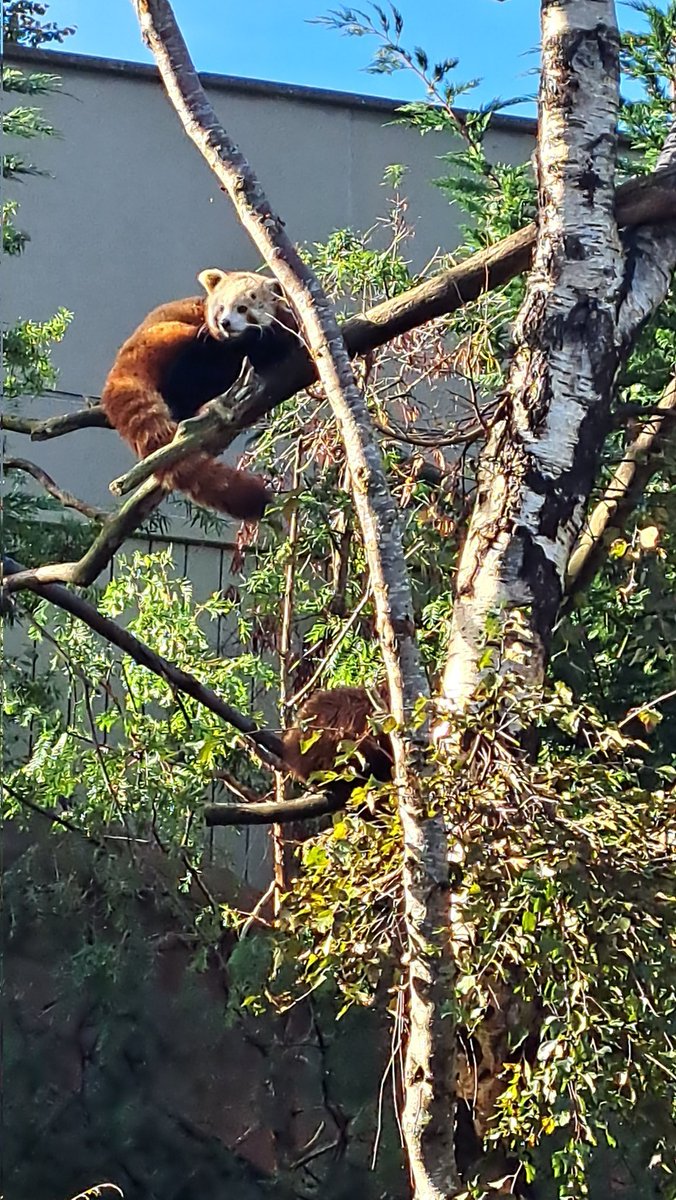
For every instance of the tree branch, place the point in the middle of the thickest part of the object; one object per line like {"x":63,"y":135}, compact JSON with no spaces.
{"x":641,"y":460}
{"x":116,"y":529}
{"x":267,"y":744}
{"x":276,"y":812}
{"x":649,"y":198}
{"x":651,"y":256}
{"x":92,"y":417}
{"x":213,"y":429}
{"x":52,"y":488}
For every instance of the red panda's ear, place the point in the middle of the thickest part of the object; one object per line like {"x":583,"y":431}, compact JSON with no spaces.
{"x":210,"y":278}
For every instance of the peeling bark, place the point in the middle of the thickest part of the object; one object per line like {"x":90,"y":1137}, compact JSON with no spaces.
{"x":540,"y":461}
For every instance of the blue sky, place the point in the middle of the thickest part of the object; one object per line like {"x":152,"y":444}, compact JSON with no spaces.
{"x":272,"y":39}
{"x":495,"y":42}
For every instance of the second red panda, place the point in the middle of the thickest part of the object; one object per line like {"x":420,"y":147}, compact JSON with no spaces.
{"x":324,"y":721}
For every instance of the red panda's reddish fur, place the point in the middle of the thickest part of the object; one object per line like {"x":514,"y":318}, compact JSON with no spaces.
{"x":174,"y":363}
{"x":339,"y":715}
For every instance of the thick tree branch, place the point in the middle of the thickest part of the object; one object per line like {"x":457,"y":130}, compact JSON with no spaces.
{"x":651,"y":198}
{"x":641,"y":460}
{"x":647,"y":199}
{"x":651,"y":258}
{"x":266,"y":744}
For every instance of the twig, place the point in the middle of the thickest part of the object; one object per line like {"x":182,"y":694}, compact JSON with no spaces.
{"x":266,"y":744}
{"x":417,"y":467}
{"x":67,"y":499}
{"x":354,"y":616}
{"x":240,"y":789}
{"x":640,"y":461}
{"x":650,"y":704}
{"x":434,"y":439}
{"x":255,"y":914}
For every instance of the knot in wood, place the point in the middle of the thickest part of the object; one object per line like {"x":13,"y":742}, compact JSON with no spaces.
{"x":404,"y":627}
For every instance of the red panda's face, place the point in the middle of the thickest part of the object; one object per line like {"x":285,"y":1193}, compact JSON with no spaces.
{"x":237,"y":301}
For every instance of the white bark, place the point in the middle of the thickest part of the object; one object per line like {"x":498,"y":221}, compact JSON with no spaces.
{"x":539,"y":463}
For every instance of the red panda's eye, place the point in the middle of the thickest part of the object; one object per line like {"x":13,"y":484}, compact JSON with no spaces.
{"x":253,"y":295}
{"x":242,"y":308}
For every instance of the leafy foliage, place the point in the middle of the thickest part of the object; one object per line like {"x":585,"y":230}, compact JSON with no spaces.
{"x":22,"y":24}
{"x":27,"y":345}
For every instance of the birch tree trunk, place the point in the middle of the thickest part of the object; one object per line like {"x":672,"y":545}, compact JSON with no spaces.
{"x":541,"y":459}
{"x":587,"y":296}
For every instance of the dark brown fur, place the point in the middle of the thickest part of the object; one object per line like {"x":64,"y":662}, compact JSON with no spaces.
{"x":342,"y":715}
{"x":182,"y":355}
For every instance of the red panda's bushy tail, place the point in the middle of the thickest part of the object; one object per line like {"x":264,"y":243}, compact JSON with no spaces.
{"x":214,"y":484}
{"x":139,"y":414}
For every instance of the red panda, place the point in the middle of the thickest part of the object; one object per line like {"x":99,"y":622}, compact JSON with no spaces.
{"x":182,"y":355}
{"x":340,"y":715}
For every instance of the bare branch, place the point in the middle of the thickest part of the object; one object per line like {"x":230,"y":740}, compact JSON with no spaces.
{"x":92,"y":417}
{"x":266,"y":744}
{"x":52,"y":488}
{"x":276,"y":812}
{"x":641,"y":460}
